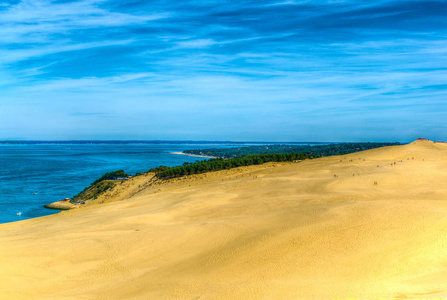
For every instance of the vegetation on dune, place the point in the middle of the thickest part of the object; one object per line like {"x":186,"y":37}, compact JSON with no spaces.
{"x":315,"y":150}
{"x":255,"y":155}
{"x":230,"y":158}
{"x":99,"y":186}
{"x":92,"y":192}
{"x":217,"y":164}
{"x":111,"y":176}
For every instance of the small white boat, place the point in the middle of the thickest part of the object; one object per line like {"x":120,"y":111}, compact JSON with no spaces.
{"x":19,"y":213}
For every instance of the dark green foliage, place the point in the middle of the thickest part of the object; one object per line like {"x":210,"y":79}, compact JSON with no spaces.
{"x":93,"y":191}
{"x":218,"y":164}
{"x":98,"y":186}
{"x":317,"y":151}
{"x":111,"y":176}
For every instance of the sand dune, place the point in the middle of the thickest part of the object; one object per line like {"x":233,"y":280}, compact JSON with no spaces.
{"x":318,"y":229}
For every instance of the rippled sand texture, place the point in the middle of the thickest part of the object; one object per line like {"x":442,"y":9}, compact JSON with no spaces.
{"x":366,"y":225}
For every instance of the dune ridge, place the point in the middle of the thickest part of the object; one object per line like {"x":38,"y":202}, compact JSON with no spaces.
{"x":368,"y":225}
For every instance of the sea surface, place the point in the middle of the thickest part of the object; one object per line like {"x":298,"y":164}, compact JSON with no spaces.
{"x":35,"y":174}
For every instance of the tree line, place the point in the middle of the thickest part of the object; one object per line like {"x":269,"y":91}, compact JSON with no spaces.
{"x":217,"y":164}
{"x":111,"y":176}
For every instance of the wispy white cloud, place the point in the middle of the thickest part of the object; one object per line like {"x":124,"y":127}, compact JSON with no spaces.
{"x":24,"y":54}
{"x":72,"y":14}
{"x":201,"y":43}
{"x":40,"y":27}
{"x":299,"y":65}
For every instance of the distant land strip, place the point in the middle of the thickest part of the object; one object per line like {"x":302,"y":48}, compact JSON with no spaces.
{"x":315,"y":150}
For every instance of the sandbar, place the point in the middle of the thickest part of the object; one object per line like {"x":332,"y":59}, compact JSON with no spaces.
{"x":193,"y":155}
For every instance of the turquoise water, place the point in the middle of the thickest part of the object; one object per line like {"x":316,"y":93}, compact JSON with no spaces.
{"x":36,"y":174}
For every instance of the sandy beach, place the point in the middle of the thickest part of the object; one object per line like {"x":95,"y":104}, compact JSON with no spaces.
{"x":368,"y":225}
{"x":193,"y":155}
{"x":60,"y":205}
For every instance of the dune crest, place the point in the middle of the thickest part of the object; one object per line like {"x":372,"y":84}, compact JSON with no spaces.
{"x":364,"y":225}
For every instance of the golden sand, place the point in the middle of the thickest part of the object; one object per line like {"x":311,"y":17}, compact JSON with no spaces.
{"x":318,"y":229}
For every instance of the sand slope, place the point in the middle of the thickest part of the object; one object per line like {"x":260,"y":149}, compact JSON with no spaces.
{"x":290,"y":231}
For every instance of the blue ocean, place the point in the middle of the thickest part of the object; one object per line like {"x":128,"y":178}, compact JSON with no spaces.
{"x":35,"y":174}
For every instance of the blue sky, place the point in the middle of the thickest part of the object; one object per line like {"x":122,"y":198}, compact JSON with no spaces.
{"x":287,"y":70}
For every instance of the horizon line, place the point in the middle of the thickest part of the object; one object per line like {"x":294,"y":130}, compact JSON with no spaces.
{"x":180,"y":141}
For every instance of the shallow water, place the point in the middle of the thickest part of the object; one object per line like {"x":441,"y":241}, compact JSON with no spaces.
{"x":36,"y":174}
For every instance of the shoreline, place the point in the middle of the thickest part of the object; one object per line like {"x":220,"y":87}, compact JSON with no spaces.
{"x":193,"y":155}
{"x":208,"y":225}
{"x":60,"y":206}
